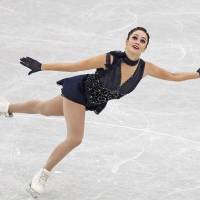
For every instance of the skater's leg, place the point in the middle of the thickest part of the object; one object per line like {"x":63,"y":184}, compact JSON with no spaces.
{"x":50,"y":107}
{"x":74,"y":114}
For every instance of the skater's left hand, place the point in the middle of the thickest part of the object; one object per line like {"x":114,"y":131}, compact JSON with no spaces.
{"x":32,"y":64}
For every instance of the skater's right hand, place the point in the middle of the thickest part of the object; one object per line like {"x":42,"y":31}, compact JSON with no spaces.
{"x":32,"y":64}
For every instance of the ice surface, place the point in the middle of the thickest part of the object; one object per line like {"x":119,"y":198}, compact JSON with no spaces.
{"x":146,"y":146}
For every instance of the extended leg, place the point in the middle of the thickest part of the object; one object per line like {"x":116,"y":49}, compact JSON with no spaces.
{"x":50,"y":107}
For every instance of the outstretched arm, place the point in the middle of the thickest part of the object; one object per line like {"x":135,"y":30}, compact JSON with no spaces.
{"x":87,"y":64}
{"x":161,"y":73}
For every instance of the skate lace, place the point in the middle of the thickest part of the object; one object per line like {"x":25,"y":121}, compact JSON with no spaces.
{"x":43,"y":178}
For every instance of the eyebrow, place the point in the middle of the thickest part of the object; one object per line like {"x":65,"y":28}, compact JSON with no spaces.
{"x":137,"y":35}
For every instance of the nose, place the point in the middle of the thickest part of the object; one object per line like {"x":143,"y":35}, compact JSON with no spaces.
{"x":137,"y":43}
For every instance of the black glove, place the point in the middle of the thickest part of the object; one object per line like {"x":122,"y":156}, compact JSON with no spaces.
{"x":32,"y":64}
{"x":198,"y":71}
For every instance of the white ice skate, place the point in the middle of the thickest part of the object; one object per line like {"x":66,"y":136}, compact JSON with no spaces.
{"x":37,"y":186}
{"x":4,"y":105}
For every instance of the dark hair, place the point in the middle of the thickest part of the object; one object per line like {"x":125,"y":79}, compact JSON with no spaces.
{"x":141,"y":29}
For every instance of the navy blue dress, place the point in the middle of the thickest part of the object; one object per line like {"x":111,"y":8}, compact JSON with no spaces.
{"x":95,"y":90}
{"x":73,"y":88}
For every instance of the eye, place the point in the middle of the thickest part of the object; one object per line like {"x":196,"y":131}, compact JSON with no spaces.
{"x":143,"y":41}
{"x":134,"y":37}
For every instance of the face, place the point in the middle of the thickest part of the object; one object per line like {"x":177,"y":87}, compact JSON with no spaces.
{"x":136,"y":44}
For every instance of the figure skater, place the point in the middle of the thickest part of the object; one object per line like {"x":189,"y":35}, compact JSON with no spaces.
{"x":116,"y":74}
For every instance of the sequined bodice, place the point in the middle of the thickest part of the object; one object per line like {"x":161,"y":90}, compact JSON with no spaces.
{"x":96,"y":93}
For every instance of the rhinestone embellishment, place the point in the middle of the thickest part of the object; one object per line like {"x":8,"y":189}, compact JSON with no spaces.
{"x":96,"y":93}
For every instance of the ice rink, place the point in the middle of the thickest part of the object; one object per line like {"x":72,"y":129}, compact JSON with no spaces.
{"x":145,"y":146}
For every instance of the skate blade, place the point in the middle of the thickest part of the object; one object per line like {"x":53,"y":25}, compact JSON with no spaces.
{"x":32,"y":192}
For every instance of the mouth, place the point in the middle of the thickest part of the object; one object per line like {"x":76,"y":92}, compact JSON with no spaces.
{"x":135,"y":47}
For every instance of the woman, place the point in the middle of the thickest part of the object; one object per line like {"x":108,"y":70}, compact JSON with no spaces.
{"x":117,"y":74}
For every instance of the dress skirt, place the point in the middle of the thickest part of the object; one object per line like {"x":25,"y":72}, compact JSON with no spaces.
{"x":73,"y":88}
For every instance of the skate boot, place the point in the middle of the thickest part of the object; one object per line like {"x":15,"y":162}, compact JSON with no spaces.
{"x":4,"y":105}
{"x":37,"y":186}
